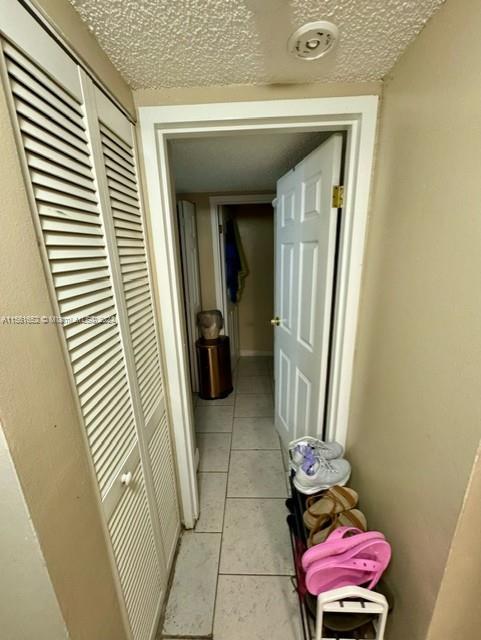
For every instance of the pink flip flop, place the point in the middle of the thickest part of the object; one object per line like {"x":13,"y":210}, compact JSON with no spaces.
{"x":363,"y":564}
{"x":339,"y":541}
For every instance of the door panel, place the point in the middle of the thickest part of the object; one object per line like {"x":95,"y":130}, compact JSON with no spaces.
{"x":163,"y":473}
{"x":308,"y":293}
{"x":131,"y":268}
{"x":284,"y":397}
{"x":306,"y":225}
{"x":135,"y":553}
{"x":287,"y":278}
{"x":302,"y":402}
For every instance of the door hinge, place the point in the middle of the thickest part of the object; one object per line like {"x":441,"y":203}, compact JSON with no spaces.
{"x":220,"y":228}
{"x":337,"y":196}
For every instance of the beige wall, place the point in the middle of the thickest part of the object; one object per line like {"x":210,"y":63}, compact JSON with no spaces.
{"x":25,"y":586}
{"x":457,"y":613}
{"x":416,"y":411}
{"x":255,"y":223}
{"x":67,"y":22}
{"x":236,"y":93}
{"x":41,"y":423}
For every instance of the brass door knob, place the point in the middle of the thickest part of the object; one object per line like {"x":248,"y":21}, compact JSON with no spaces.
{"x":275,"y":322}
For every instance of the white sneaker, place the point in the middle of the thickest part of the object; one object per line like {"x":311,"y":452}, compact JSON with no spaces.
{"x":298,"y":449}
{"x":319,"y":474}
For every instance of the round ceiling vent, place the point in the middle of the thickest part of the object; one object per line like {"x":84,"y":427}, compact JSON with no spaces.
{"x":313,"y":40}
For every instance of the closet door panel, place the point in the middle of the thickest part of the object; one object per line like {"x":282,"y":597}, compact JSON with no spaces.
{"x":163,"y":472}
{"x":117,"y":149}
{"x":136,"y":555}
{"x":129,"y":232}
{"x":73,"y":235}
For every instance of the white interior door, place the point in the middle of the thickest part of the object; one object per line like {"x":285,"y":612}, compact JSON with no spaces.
{"x":306,"y":225}
{"x":190,"y":269}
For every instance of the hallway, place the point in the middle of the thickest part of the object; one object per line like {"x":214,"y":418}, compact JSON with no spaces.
{"x":224,"y":583}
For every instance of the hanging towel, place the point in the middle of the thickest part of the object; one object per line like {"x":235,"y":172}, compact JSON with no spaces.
{"x":236,"y":267}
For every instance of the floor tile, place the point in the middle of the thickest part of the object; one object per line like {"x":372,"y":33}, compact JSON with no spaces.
{"x":213,"y":419}
{"x":190,"y":608}
{"x":214,"y":451}
{"x":256,"y":537}
{"x":256,"y":474}
{"x":212,"y":489}
{"x":249,"y":406}
{"x":253,"y":367}
{"x":256,"y":608}
{"x":254,"y":433}
{"x":220,"y":402}
{"x":254,"y":384}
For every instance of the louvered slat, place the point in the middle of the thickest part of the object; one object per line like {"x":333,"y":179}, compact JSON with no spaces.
{"x":163,"y":473}
{"x":58,"y":158}
{"x":134,"y":549}
{"x":124,"y":200}
{"x":21,"y":68}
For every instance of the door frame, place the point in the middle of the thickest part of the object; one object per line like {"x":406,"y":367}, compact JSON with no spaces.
{"x":217,"y":253}
{"x":184,"y":257}
{"x":357,"y":116}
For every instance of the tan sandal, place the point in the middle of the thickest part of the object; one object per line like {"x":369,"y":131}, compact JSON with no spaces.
{"x":327,"y":523}
{"x":334,"y":500}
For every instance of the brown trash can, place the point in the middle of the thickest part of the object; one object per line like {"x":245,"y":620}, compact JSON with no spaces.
{"x":215,"y":375}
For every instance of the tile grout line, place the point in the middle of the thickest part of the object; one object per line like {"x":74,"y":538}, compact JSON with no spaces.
{"x":227,"y":472}
{"x":214,"y":610}
{"x":236,"y":498}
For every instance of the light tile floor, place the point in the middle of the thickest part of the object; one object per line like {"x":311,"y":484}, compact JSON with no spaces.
{"x":245,"y":541}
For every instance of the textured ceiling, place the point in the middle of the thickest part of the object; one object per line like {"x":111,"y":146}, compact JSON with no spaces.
{"x":183,"y":43}
{"x":251,"y":162}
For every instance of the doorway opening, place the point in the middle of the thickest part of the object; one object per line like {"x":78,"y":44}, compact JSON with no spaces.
{"x":270,"y":269}
{"x":271,"y":273}
{"x":356,"y":117}
{"x":250,"y":291}
{"x":249,"y":332}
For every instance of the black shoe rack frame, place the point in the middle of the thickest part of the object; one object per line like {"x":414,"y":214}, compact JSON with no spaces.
{"x":296,"y":505}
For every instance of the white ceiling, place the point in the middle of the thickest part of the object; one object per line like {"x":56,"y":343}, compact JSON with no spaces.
{"x":184,"y":43}
{"x":238,"y":163}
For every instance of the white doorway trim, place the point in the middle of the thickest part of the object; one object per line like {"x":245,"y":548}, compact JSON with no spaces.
{"x":355,"y":115}
{"x":219,"y":270}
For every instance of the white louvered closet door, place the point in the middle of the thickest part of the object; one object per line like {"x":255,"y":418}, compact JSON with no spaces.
{"x":116,"y":169}
{"x":82,"y":183}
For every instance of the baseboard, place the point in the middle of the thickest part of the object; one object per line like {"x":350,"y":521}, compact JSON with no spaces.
{"x":247,"y":352}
